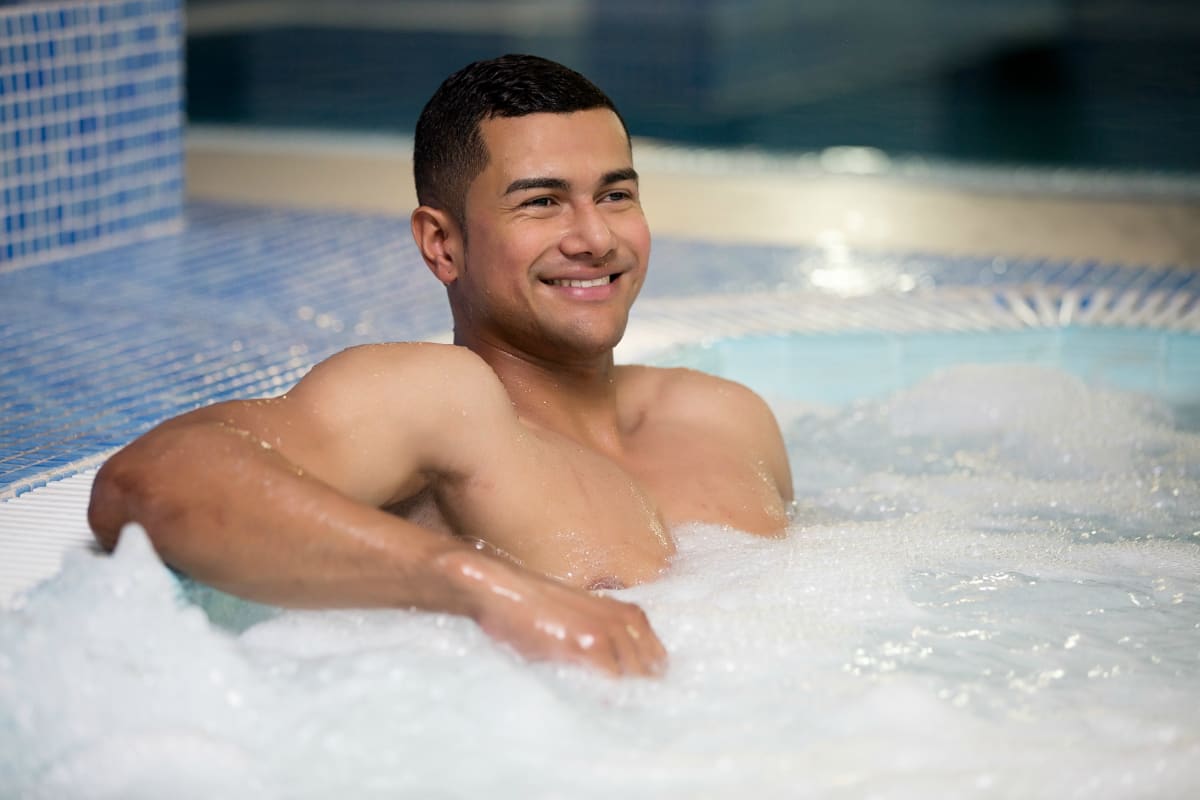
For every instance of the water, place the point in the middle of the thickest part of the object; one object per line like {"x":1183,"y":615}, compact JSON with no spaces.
{"x":840,"y":368}
{"x":991,"y":589}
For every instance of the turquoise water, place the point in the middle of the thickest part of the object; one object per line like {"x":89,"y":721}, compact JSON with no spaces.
{"x":839,"y":368}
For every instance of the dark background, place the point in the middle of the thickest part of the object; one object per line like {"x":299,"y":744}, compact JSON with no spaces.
{"x":1109,"y":84}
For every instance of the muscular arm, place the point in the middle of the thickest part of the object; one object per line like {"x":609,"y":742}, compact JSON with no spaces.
{"x":278,"y":501}
{"x":758,"y":429}
{"x":743,"y":424}
{"x":748,"y":423}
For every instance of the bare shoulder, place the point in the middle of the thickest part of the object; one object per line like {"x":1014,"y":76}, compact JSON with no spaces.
{"x":369,"y":377}
{"x":712,"y":407}
{"x":693,"y":394}
{"x":372,"y":419}
{"x":403,"y":392}
{"x":373,"y":364}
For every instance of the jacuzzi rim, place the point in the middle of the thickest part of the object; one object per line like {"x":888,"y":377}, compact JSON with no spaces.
{"x":662,"y":324}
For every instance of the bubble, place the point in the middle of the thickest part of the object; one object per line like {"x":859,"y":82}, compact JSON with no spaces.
{"x":954,"y":610}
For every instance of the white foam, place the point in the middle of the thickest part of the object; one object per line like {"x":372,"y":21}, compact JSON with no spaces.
{"x":957,"y":611}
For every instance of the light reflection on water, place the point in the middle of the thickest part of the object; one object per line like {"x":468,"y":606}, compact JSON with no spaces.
{"x":957,"y":611}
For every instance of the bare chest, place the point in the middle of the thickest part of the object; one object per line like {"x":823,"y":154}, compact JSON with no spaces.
{"x":590,"y":519}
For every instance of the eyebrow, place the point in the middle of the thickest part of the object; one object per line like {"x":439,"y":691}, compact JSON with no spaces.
{"x":558,"y":184}
{"x":618,"y":175}
{"x":521,"y":184}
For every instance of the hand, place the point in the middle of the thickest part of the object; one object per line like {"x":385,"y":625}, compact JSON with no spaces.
{"x":545,"y":620}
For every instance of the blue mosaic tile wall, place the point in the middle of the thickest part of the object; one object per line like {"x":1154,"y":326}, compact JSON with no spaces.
{"x":91,"y":120}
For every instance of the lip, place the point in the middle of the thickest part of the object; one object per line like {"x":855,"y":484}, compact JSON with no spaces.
{"x":600,"y":292}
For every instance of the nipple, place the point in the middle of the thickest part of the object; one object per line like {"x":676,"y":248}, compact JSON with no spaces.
{"x":607,"y":582}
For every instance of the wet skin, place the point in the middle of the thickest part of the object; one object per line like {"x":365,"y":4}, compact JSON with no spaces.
{"x":541,"y":290}
{"x":499,"y":478}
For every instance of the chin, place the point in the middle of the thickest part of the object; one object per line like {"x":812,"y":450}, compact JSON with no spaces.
{"x":589,"y":343}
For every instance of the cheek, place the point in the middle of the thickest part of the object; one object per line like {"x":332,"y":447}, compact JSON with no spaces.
{"x":513,"y":248}
{"x":638,"y":237}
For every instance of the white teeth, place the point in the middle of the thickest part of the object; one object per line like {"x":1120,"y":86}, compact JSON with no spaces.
{"x":607,"y":279}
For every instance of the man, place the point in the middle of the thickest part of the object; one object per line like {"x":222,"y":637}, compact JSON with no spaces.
{"x":506,"y":477}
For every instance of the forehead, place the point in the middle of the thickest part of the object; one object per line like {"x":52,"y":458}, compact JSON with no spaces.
{"x":561,"y":145}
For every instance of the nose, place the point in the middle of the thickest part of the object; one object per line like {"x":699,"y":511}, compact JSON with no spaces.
{"x":589,"y":236}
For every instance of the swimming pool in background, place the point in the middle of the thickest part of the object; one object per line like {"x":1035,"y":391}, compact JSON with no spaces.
{"x":991,"y":588}
{"x":1023,"y":82}
{"x":838,"y":368}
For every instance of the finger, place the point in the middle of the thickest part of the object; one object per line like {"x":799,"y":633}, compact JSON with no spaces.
{"x":639,"y":648}
{"x":655,"y":654}
{"x":651,"y":651}
{"x":624,"y":644}
{"x":592,"y":652}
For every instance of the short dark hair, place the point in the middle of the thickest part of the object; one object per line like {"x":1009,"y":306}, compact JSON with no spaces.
{"x":449,"y":152}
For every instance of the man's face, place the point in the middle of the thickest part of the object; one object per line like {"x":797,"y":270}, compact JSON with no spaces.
{"x":557,"y":243}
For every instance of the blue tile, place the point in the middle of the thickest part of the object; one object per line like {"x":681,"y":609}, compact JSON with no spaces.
{"x":142,"y":59}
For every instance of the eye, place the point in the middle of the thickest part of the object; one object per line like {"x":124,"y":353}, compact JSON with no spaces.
{"x":538,"y":202}
{"x":617,"y":196}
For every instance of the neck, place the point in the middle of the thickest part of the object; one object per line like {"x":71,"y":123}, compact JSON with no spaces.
{"x":576,"y":397}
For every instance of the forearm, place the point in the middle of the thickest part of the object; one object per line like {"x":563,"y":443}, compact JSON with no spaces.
{"x":226,"y":510}
{"x":234,"y":514}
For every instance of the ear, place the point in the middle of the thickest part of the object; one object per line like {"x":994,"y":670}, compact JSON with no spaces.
{"x":440,"y":242}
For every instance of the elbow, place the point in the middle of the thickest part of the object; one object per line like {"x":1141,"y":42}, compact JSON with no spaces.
{"x":112,"y":500}
{"x":130,"y":488}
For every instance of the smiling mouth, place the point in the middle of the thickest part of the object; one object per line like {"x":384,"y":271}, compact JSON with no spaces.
{"x":574,"y":284}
